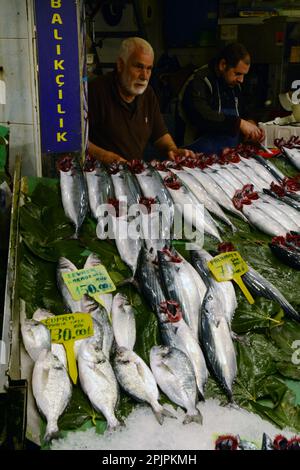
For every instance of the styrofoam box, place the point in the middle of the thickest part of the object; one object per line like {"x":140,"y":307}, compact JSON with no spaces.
{"x":274,"y":131}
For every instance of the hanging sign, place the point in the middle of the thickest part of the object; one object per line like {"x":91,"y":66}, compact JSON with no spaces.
{"x":59,"y":75}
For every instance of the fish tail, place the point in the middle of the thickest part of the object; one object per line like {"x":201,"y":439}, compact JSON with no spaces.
{"x":193,"y":418}
{"x":161,"y":412}
{"x":113,"y":424}
{"x":52,"y":432}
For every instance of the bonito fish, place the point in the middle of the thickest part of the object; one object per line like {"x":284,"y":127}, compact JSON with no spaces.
{"x":73,"y":191}
{"x":98,"y":380}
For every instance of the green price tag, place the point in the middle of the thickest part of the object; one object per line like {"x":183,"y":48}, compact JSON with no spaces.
{"x":91,"y":281}
{"x":230,"y":266}
{"x":66,"y":329}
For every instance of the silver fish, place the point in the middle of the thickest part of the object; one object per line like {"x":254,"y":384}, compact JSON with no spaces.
{"x":98,"y":380}
{"x":56,"y":348}
{"x":182,"y":283}
{"x":137,"y":380}
{"x":83,"y":305}
{"x":73,"y":191}
{"x":36,"y":337}
{"x":123,"y":321}
{"x":52,"y":390}
{"x":224,"y":290}
{"x":217,"y":343}
{"x":99,"y":185}
{"x":174,"y":375}
{"x":293,"y":155}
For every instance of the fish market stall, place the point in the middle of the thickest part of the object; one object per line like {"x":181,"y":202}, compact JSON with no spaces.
{"x":149,"y":326}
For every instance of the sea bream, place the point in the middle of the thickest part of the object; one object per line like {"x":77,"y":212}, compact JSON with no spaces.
{"x":73,"y":191}
{"x":98,"y":380}
{"x":174,"y":375}
{"x":136,"y":378}
{"x":52,"y":390}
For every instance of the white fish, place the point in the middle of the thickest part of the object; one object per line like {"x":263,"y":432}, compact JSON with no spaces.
{"x":123,"y":321}
{"x":52,"y":390}
{"x":98,"y":380}
{"x":137,"y":380}
{"x":36,"y":337}
{"x":174,"y":375}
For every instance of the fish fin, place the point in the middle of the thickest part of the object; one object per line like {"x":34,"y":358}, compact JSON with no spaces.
{"x":52,"y":432}
{"x":193,"y":418}
{"x":160,"y":414}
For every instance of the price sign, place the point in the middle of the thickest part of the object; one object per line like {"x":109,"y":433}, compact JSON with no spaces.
{"x":92,"y":281}
{"x":230,"y":266}
{"x":66,"y":329}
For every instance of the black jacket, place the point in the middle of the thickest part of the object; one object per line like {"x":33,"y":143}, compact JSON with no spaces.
{"x":202,"y":100}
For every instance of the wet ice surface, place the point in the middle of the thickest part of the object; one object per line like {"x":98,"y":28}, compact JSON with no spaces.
{"x":142,"y":431}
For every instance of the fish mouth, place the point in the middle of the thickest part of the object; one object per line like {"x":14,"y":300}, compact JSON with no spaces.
{"x":89,"y":164}
{"x":65,"y":163}
{"x":226,"y":442}
{"x":136,"y":167}
{"x":171,"y":181}
{"x":172,"y":310}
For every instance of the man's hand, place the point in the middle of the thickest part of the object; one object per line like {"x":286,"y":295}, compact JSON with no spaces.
{"x":251,"y":131}
{"x":103,"y":155}
{"x":181,"y":152}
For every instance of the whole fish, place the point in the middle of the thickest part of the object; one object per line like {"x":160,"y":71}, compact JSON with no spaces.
{"x":73,"y":191}
{"x":174,"y":375}
{"x":52,"y":390}
{"x":182,"y":283}
{"x":83,"y":305}
{"x":224,"y":290}
{"x":98,"y":380}
{"x":271,"y":209}
{"x":176,"y":333}
{"x":123,"y":321}
{"x":137,"y":380}
{"x":153,"y":188}
{"x":148,"y":280}
{"x":36,"y":337}
{"x":100,"y":191}
{"x":216,"y":342}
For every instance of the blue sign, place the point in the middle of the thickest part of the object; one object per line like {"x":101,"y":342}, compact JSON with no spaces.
{"x":59,"y":75}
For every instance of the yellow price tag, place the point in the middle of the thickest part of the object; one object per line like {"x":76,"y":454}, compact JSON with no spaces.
{"x":66,"y":329}
{"x":91,"y":281}
{"x":230,"y":266}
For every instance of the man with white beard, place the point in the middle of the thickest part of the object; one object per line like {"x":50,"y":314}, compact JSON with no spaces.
{"x":124,"y":112}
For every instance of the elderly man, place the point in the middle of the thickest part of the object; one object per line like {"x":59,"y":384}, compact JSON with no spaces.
{"x":123,"y":109}
{"x":212,"y":104}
